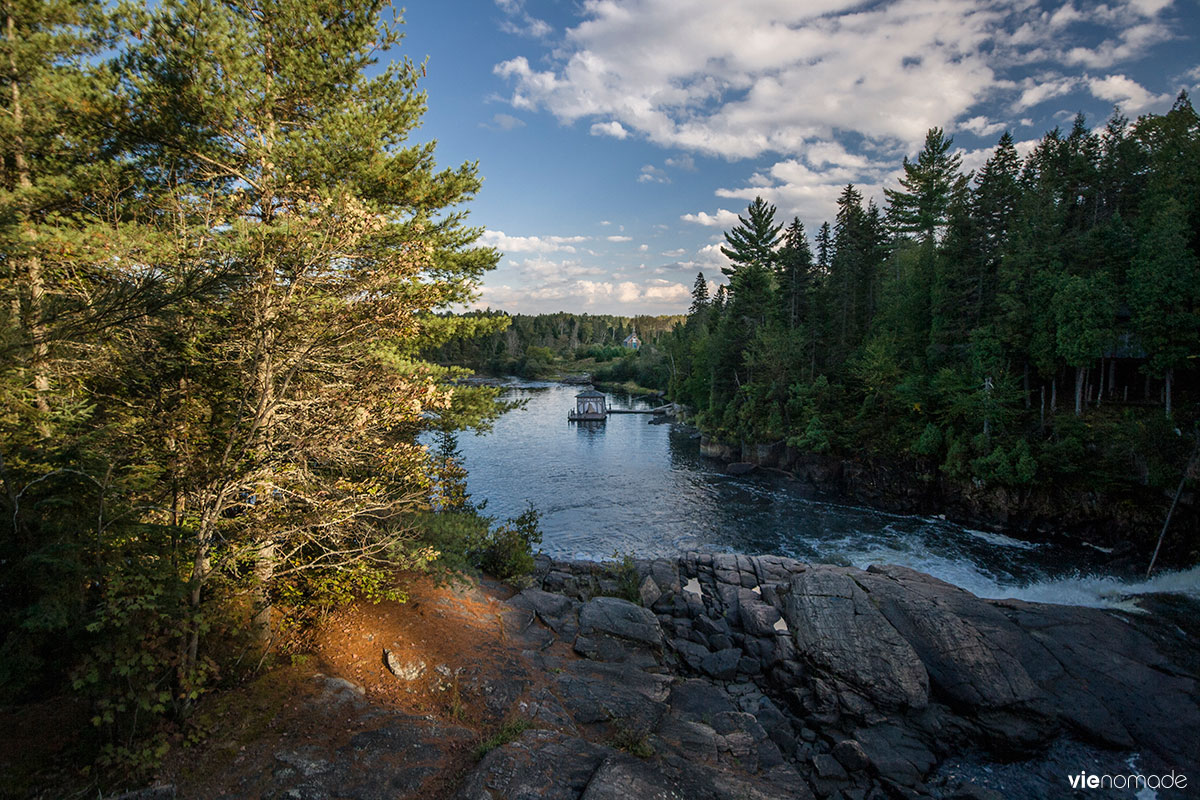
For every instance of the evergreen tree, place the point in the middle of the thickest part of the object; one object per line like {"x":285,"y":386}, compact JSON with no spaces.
{"x":1164,"y":294}
{"x":920,"y":207}
{"x":793,"y":274}
{"x":297,"y":178}
{"x":824,"y":248}
{"x":753,"y":240}
{"x":700,"y":300}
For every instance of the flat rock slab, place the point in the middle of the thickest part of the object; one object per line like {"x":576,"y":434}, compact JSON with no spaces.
{"x":837,"y":629}
{"x":392,"y":761}
{"x":622,"y":619}
{"x":539,"y":764}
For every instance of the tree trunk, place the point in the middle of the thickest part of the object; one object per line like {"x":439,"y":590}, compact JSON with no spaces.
{"x":1078,"y":390}
{"x":1054,"y":394}
{"x":1025,"y":382}
{"x":201,"y":567}
{"x":264,"y":572}
{"x":1167,"y":390}
{"x":35,"y":287}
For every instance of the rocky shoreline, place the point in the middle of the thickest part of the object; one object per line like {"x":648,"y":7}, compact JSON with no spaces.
{"x":1129,"y":523}
{"x":737,"y":677}
{"x":778,"y":679}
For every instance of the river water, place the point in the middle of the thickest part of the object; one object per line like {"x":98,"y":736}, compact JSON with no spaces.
{"x":630,"y":486}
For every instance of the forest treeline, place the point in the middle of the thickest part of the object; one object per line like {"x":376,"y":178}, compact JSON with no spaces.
{"x":221,"y":251}
{"x":1036,"y":323}
{"x":533,"y":345}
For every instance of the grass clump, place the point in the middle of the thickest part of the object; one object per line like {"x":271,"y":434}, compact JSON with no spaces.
{"x":509,"y":731}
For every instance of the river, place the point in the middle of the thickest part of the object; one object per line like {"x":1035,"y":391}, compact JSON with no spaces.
{"x":631,"y":486}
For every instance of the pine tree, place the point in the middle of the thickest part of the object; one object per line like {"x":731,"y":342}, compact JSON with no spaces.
{"x":295,"y":177}
{"x":754,"y":239}
{"x":700,"y":299}
{"x":920,"y":207}
{"x":1164,"y":293}
{"x":793,"y":274}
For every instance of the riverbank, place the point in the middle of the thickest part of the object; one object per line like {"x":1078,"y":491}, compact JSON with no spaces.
{"x":1126,"y":523}
{"x":729,"y":677}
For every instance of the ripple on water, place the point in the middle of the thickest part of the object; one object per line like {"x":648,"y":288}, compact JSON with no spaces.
{"x":630,"y":487}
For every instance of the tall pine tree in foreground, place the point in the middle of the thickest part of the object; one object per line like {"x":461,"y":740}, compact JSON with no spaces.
{"x":294,"y":175}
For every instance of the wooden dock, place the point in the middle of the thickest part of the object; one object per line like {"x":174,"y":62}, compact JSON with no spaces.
{"x":660,"y":410}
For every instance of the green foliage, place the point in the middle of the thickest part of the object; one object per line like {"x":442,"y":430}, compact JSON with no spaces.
{"x":464,"y":540}
{"x":508,"y":732}
{"x":224,"y":251}
{"x":752,"y":242}
{"x":930,"y":441}
{"x":627,"y":579}
{"x":508,"y":552}
{"x":636,"y":742}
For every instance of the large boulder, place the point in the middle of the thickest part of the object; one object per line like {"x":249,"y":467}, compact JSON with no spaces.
{"x":622,"y":619}
{"x":839,"y":631}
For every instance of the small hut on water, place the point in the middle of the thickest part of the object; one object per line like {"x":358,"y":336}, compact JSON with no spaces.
{"x":589,"y":405}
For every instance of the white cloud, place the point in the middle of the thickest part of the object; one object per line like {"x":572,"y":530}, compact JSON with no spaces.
{"x":619,"y":238}
{"x":722,"y":219}
{"x":519,"y":22}
{"x":1132,"y":42}
{"x":643,"y":248}
{"x":506,"y":122}
{"x":613,"y":296}
{"x":652,"y":174}
{"x":611,"y":128}
{"x":684,"y":162}
{"x":1130,"y":95}
{"x":981,"y":126}
{"x":530,"y":244}
{"x":1038,"y":91}
{"x":743,"y":79}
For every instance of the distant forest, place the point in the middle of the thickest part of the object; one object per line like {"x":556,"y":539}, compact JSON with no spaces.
{"x":1036,"y":322}
{"x":530,"y":344}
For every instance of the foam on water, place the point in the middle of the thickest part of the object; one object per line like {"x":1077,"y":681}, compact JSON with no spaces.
{"x":1000,"y":540}
{"x":1094,"y":591}
{"x":1104,"y":591}
{"x":641,"y":489}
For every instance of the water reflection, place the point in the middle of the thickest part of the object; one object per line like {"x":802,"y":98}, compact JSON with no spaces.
{"x":628,"y":486}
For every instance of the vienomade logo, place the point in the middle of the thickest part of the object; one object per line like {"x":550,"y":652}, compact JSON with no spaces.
{"x":1133,"y":780}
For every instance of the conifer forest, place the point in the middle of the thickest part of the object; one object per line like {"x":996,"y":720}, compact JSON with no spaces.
{"x":234,"y":283}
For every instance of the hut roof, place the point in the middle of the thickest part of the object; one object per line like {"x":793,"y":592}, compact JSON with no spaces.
{"x":590,"y":393}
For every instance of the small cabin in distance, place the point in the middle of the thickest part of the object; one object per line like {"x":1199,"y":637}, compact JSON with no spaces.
{"x":589,"y":405}
{"x":632,"y":341}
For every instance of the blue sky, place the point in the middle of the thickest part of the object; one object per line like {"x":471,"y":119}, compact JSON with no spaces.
{"x":618,"y":139}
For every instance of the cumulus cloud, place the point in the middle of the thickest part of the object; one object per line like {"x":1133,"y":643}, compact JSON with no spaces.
{"x":530,"y":244}
{"x":614,"y":296}
{"x":1130,"y":95}
{"x":743,"y":79}
{"x":981,"y":126}
{"x":618,"y":238}
{"x":652,"y":174}
{"x":722,"y":219}
{"x":610,"y":128}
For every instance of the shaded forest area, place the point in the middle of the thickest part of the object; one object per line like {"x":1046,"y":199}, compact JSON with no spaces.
{"x":1027,"y":335}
